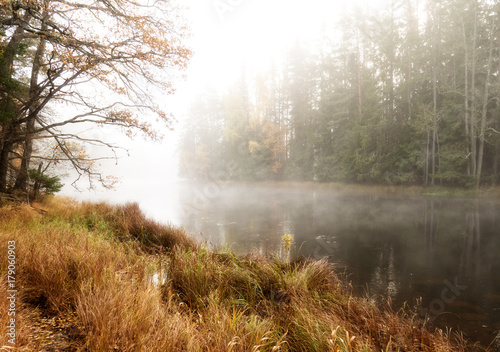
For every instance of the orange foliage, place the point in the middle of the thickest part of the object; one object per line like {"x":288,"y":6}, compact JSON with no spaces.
{"x":275,"y":141}
{"x":122,"y":44}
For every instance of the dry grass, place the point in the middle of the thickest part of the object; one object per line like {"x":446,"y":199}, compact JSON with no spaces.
{"x":95,"y":261}
{"x":122,"y":222}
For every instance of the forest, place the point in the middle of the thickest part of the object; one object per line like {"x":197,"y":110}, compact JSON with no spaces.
{"x":407,"y":96}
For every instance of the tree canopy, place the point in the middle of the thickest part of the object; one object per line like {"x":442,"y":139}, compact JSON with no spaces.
{"x":70,"y":65}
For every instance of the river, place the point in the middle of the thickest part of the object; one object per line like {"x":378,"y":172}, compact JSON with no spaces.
{"x":441,"y":251}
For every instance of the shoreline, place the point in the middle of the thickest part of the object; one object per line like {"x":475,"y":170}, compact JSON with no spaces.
{"x":85,"y":264}
{"x":359,"y":189}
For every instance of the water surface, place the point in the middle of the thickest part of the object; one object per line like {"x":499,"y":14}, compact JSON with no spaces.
{"x":444,"y":251}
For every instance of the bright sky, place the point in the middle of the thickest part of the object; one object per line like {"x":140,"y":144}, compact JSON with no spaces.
{"x":226,"y":34}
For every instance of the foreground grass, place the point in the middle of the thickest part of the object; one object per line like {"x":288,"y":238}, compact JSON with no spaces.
{"x":90,"y":266}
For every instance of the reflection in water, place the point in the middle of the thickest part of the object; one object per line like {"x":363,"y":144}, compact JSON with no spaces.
{"x":384,"y":278}
{"x":430,"y":227}
{"x":470,"y":259}
{"x":399,"y":248}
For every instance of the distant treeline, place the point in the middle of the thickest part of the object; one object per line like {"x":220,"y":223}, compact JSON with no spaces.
{"x":406,"y":96}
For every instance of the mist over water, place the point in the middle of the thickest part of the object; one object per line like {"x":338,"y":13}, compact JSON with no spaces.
{"x":391,"y":246}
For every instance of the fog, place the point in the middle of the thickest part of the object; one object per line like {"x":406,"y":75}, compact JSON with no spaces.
{"x":389,"y":246}
{"x":227,"y":37}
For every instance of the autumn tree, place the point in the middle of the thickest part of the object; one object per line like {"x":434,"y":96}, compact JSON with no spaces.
{"x":67,"y":66}
{"x":269,"y":127}
{"x":200,"y":144}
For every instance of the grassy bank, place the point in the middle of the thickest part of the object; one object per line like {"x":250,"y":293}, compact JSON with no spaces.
{"x":391,"y":190}
{"x":84,"y":276}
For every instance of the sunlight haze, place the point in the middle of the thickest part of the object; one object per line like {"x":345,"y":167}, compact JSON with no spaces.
{"x":248,"y":35}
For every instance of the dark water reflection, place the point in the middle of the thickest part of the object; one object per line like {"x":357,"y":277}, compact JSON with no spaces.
{"x":402,"y":248}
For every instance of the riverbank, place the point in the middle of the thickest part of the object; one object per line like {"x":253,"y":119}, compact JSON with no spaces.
{"x":99,"y":277}
{"x":386,"y":190}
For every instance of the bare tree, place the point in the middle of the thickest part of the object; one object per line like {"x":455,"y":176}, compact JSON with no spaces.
{"x":122,"y":49}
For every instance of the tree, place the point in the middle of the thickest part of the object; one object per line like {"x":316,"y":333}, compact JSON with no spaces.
{"x":237,"y":129}
{"x":118,"y":48}
{"x":301,"y":94}
{"x":269,"y":127}
{"x":41,"y":181}
{"x":485,"y":99}
{"x":200,"y":148}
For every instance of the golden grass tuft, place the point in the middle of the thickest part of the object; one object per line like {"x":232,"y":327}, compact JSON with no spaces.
{"x":95,"y":262}
{"x":125,"y":222}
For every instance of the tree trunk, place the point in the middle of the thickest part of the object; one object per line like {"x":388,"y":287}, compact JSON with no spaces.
{"x":360,"y":96}
{"x":22,"y":178}
{"x":391,"y":65}
{"x":4,"y":163}
{"x":472,"y":130}
{"x":485,"y":108}
{"x":412,"y":44}
{"x":36,"y":186}
{"x":9,"y":54}
{"x":435,"y":59}
{"x":434,"y":126}
{"x":7,"y":128}
{"x":466,"y":101}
